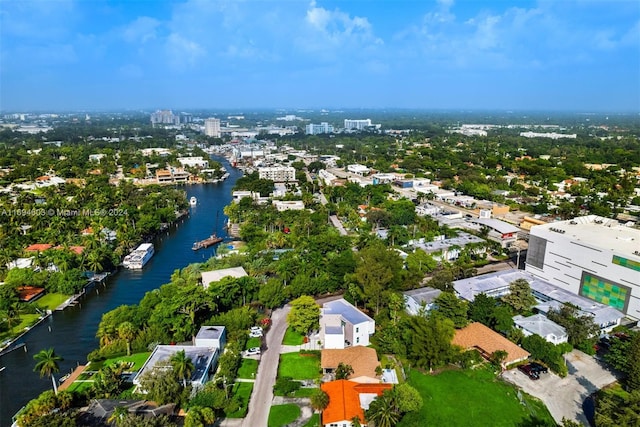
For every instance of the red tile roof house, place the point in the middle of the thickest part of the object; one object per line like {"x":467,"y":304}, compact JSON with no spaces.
{"x":479,"y":337}
{"x":348,"y":399}
{"x":38,"y":247}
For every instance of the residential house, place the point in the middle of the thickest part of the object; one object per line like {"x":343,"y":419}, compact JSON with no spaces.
{"x":363,"y":361}
{"x":99,"y":411}
{"x":210,"y":343}
{"x":347,"y":400}
{"x":209,"y":277}
{"x":538,"y":324}
{"x":421,"y":299}
{"x":211,"y":336}
{"x":343,"y":325}
{"x":477,"y":336}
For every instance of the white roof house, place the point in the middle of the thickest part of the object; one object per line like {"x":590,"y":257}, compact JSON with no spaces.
{"x":343,"y":325}
{"x":203,"y":358}
{"x":420,"y":299}
{"x":211,"y":336}
{"x":538,"y":324}
{"x":209,"y":277}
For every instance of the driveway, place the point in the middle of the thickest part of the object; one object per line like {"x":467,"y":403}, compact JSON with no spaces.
{"x":564,"y":396}
{"x":262,"y":394}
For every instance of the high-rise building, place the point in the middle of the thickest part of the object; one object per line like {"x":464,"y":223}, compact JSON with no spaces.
{"x":212,"y":127}
{"x":324,"y":127}
{"x":598,"y":258}
{"x":165,"y":117}
{"x":350,"y":124}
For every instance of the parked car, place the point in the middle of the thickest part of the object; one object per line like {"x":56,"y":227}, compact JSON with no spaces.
{"x":253,"y":351}
{"x":539,"y":368}
{"x":255,"y":332}
{"x":528,"y":371}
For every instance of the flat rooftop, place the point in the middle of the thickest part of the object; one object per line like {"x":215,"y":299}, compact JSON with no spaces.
{"x":497,"y":283}
{"x":598,"y":232}
{"x":210,"y":332}
{"x":346,"y":310}
{"x":202,"y":357}
{"x":461,"y":240}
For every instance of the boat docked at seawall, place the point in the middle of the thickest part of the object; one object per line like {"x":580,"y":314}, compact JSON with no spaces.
{"x":209,"y":241}
{"x":193,"y":201}
{"x":139,"y":257}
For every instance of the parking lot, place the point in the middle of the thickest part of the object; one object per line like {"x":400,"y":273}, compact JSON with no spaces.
{"x":564,"y":396}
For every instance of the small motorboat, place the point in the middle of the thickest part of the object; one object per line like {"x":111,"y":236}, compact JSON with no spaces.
{"x":193,"y":201}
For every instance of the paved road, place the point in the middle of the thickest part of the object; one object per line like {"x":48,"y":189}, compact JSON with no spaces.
{"x":564,"y":396}
{"x":262,"y":394}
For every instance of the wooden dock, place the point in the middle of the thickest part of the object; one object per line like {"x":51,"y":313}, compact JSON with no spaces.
{"x":74,"y":376}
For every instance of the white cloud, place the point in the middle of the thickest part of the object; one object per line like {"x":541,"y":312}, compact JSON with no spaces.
{"x":183,"y":53}
{"x":332,"y":33}
{"x":513,"y":37}
{"x":141,"y":30}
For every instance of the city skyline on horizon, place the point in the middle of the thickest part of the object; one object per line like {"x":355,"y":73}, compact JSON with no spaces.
{"x":571,"y":56}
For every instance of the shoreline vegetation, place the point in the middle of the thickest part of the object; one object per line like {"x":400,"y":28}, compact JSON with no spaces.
{"x":71,"y":300}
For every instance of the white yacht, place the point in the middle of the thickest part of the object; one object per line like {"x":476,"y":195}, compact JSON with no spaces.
{"x":139,"y":257}
{"x":193,"y":201}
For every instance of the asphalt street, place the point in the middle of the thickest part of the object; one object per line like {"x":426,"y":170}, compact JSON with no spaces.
{"x":262,"y":394}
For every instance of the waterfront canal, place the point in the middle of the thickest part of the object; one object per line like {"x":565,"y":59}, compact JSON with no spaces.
{"x":72,"y":332}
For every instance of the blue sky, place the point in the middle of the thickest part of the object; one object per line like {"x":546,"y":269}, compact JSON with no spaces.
{"x":580,"y":55}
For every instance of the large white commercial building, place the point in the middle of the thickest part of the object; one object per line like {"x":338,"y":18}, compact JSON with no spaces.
{"x":193,"y":162}
{"x":313,"y":129}
{"x":350,"y":124}
{"x":595,"y":257}
{"x":278,"y":173}
{"x":212,"y":127}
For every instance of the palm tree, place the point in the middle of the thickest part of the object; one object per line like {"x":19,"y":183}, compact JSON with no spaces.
{"x":119,"y":414}
{"x":93,"y":260}
{"x":127,"y":332}
{"x":319,"y":400}
{"x":182,"y":366}
{"x":48,"y":365}
{"x":383,"y":411}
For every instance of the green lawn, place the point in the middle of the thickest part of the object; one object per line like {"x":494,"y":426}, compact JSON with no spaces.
{"x":314,"y":421}
{"x":242,"y":391}
{"x":299,"y":367}
{"x":472,"y":398}
{"x":138,"y":360}
{"x":51,"y":301}
{"x":26,"y":320}
{"x":301,"y":392}
{"x":79,"y":386}
{"x":253,"y":342}
{"x":281,"y":415}
{"x":248,"y":369}
{"x":292,"y":337}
